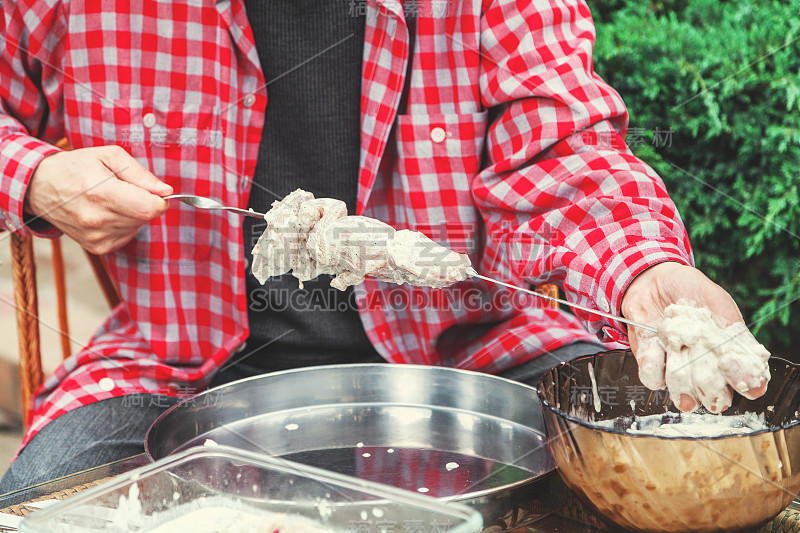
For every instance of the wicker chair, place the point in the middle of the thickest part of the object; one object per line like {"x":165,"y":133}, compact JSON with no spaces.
{"x":23,"y":266}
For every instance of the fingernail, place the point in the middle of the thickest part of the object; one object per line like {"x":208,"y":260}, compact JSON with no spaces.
{"x":754,"y":392}
{"x":686,"y":403}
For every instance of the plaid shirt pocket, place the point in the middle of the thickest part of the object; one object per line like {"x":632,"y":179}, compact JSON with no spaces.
{"x":181,"y":144}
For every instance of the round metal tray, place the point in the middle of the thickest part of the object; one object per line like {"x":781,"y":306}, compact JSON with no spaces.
{"x":451,"y":434}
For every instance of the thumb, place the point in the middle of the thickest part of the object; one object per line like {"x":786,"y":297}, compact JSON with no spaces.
{"x":129,"y":170}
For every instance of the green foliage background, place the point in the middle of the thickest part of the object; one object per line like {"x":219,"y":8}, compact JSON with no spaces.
{"x":724,"y":77}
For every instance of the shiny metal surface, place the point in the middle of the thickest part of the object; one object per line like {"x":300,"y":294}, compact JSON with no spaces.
{"x":201,"y":202}
{"x":447,"y":433}
{"x":650,"y":483}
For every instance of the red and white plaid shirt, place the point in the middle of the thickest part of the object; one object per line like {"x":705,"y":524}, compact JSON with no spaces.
{"x":511,"y":150}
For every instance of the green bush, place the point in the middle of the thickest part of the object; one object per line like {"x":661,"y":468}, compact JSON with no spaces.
{"x":713,"y":90}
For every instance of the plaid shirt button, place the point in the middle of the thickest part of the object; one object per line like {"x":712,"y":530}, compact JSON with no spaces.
{"x":249,"y":100}
{"x":149,"y":120}
{"x":438,"y":135}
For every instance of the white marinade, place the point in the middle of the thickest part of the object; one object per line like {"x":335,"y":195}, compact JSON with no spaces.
{"x":692,"y":424}
{"x":219,"y":519}
{"x":311,"y":236}
{"x":212,"y":514}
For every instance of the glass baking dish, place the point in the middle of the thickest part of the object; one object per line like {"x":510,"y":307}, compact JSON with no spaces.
{"x":223,"y":487}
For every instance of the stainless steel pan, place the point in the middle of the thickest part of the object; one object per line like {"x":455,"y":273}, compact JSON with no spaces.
{"x":448,"y":433}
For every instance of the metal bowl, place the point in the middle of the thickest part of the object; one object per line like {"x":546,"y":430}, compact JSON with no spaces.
{"x":653,"y":483}
{"x":453,"y":434}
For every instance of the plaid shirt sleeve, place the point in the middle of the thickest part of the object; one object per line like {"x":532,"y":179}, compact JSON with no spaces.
{"x":562,"y":194}
{"x":30,"y":69}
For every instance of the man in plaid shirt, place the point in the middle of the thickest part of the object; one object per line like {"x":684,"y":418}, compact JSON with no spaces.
{"x":481,"y":124}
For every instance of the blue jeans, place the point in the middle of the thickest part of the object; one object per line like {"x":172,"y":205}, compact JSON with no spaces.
{"x":85,"y":437}
{"x":114,"y":429}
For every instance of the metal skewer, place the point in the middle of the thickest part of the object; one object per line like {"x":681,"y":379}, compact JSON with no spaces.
{"x":209,"y":203}
{"x":569,"y":304}
{"x":201,"y":202}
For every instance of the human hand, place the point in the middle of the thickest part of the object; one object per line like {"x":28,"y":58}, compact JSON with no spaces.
{"x":702,"y":366}
{"x":98,"y":196}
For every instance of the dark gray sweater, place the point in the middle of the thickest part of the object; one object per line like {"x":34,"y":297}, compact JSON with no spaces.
{"x":311,"y":141}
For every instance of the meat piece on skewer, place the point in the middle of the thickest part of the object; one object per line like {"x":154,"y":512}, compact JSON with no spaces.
{"x":311,"y":236}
